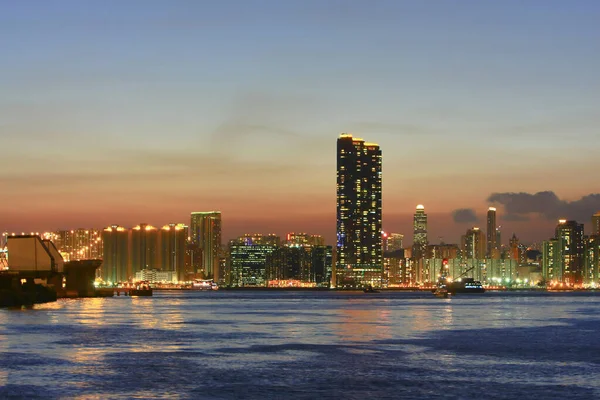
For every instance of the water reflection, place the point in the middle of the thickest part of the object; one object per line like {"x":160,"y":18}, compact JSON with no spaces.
{"x":359,"y":322}
{"x":257,"y":345}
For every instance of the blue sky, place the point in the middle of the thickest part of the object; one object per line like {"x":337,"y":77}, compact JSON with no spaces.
{"x":122,"y":111}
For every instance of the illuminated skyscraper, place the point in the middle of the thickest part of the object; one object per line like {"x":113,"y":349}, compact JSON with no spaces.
{"x":592,"y":260}
{"x":473,"y":244}
{"x":492,"y":246}
{"x":394,"y":242}
{"x":304,"y":239}
{"x":570,"y":251}
{"x":78,"y":244}
{"x":596,"y":224}
{"x":205,"y":233}
{"x":359,"y":242}
{"x":115,"y":241}
{"x":249,"y":262}
{"x":419,"y":233}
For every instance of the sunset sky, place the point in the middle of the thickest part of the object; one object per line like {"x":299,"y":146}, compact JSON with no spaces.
{"x":144,"y":111}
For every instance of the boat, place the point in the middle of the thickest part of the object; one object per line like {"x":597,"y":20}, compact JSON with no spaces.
{"x":465,"y":285}
{"x":204,"y":284}
{"x":369,"y":289}
{"x":141,"y":289}
{"x":446,"y":286}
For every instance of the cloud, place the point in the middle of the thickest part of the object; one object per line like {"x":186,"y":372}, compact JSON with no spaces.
{"x":547,"y":204}
{"x":262,"y":116}
{"x":514,"y":217}
{"x":464,"y":215}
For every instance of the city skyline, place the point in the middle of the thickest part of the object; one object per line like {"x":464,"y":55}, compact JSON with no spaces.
{"x":503,"y":118}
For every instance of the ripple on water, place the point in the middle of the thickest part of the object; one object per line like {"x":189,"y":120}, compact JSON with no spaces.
{"x":304,"y":345}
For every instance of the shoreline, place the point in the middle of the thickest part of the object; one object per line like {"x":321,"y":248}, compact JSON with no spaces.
{"x":273,"y":289}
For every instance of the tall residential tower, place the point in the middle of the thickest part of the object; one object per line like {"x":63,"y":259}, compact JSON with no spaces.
{"x":492,"y":245}
{"x":359,"y":242}
{"x":205,"y":234}
{"x":420,"y":241}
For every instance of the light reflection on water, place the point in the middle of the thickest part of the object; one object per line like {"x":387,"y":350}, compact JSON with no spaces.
{"x":304,"y":344}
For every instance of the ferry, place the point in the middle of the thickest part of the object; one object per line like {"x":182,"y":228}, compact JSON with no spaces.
{"x":463,"y":285}
{"x":446,"y":287}
{"x":204,"y":284}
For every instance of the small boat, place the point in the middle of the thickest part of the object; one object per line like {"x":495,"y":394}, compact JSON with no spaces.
{"x":142,"y":289}
{"x":441,"y":292}
{"x":369,"y":289}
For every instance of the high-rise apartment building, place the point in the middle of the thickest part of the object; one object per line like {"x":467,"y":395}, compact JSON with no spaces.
{"x":492,"y":246}
{"x":592,"y":260}
{"x":596,"y":224}
{"x":258,"y":238}
{"x":304,"y":239}
{"x":359,"y":243}
{"x":78,"y":244}
{"x":205,"y":235}
{"x":173,"y":240}
{"x":551,"y":269}
{"x":115,"y":257}
{"x":419,"y":248}
{"x":473,"y":244}
{"x":569,"y":236}
{"x":144,"y":248}
{"x":249,"y":262}
{"x":392,"y":242}
{"x":442,"y":251}
{"x":514,"y":248}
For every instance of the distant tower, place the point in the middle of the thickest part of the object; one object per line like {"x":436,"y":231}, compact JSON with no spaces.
{"x":419,"y":233}
{"x":359,"y":241}
{"x":492,"y":248}
{"x":596,"y":224}
{"x":205,"y":232}
{"x":514,"y":248}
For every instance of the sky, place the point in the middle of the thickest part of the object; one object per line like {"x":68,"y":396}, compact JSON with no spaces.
{"x":121,"y":112}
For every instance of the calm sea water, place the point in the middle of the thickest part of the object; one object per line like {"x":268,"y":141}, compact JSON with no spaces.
{"x":229,"y":345}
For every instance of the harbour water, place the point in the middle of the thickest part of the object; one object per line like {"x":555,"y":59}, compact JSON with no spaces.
{"x":308,"y":345}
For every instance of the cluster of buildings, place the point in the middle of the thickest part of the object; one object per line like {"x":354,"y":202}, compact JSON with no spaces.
{"x":571,"y":257}
{"x":363,"y":254}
